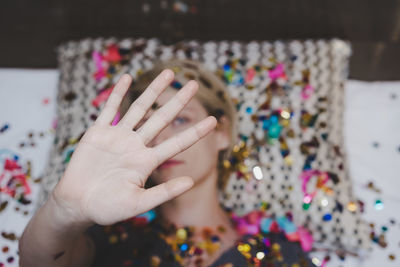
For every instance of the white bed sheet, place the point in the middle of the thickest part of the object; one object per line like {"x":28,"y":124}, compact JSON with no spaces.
{"x":372,"y":136}
{"x":23,"y":97}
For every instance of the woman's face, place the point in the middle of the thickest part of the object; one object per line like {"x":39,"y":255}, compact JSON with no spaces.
{"x":199,"y":160}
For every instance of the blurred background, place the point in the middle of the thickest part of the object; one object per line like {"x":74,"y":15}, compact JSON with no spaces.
{"x":31,"y":31}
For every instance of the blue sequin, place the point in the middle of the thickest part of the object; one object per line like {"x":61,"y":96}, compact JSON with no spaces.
{"x":184,"y":247}
{"x":274,"y":131}
{"x":274,"y":119}
{"x":249,"y":110}
{"x":4,"y":128}
{"x":214,"y":238}
{"x":266,"y":124}
{"x":176,"y":85}
{"x":149,"y":215}
{"x":285,"y":224}
{"x":327,"y":217}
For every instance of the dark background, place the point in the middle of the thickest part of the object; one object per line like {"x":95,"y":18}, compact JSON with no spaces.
{"x":31,"y":30}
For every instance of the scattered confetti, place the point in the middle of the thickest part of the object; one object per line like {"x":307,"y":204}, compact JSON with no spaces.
{"x":378,"y":204}
{"x":45,"y":101}
{"x":102,"y":97}
{"x":258,"y":173}
{"x":351,"y":206}
{"x":372,"y":187}
{"x":9,"y":236}
{"x":4,"y":128}
{"x":327,"y":217}
{"x":13,"y":179}
{"x":375,"y":144}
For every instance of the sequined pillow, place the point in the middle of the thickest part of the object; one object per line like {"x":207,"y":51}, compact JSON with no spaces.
{"x":289,"y":96}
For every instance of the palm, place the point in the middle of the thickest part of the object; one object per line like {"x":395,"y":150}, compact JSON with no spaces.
{"x":117,"y":167}
{"x":104,"y":181}
{"x":118,"y":150}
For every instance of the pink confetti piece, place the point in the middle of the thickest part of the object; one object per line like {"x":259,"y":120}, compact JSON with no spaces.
{"x":102,"y":97}
{"x":54,"y":124}
{"x":306,"y":176}
{"x":248,"y":224}
{"x":250,"y":75}
{"x":45,"y":101}
{"x":116,"y":119}
{"x":306,"y":239}
{"x":98,"y":60}
{"x":15,"y":178}
{"x":324,"y":262}
{"x":277,"y":72}
{"x":307,"y":92}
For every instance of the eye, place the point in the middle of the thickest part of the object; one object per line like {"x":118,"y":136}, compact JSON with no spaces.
{"x":180,"y":120}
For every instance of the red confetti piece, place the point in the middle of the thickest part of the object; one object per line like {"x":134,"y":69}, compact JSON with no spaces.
{"x":102,"y":97}
{"x":112,"y":54}
{"x":15,"y":178}
{"x":46,"y":101}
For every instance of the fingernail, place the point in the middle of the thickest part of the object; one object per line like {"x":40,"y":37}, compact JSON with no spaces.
{"x":126,"y":78}
{"x":194,"y":85}
{"x":212,"y":121}
{"x":168,"y":74}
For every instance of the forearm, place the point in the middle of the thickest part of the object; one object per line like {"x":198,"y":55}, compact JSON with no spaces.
{"x":51,"y":239}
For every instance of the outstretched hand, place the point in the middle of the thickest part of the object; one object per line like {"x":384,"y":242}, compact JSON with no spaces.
{"x":104,"y":181}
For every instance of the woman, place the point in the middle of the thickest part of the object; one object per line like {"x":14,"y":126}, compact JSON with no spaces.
{"x":106,"y":183}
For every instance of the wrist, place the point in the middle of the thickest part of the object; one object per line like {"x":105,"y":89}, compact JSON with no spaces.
{"x":63,"y":214}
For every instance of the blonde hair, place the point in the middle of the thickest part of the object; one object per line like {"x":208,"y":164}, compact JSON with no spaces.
{"x":212,"y":94}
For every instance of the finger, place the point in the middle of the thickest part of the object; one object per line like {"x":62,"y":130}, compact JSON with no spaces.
{"x":139,"y":108}
{"x":161,"y":193}
{"x":163,"y":116}
{"x":183,"y":140}
{"x":111,"y":107}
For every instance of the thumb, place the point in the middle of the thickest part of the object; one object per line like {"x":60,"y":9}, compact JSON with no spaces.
{"x":161,"y":193}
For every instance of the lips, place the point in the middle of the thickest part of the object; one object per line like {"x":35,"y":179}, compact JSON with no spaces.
{"x":170,"y":163}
